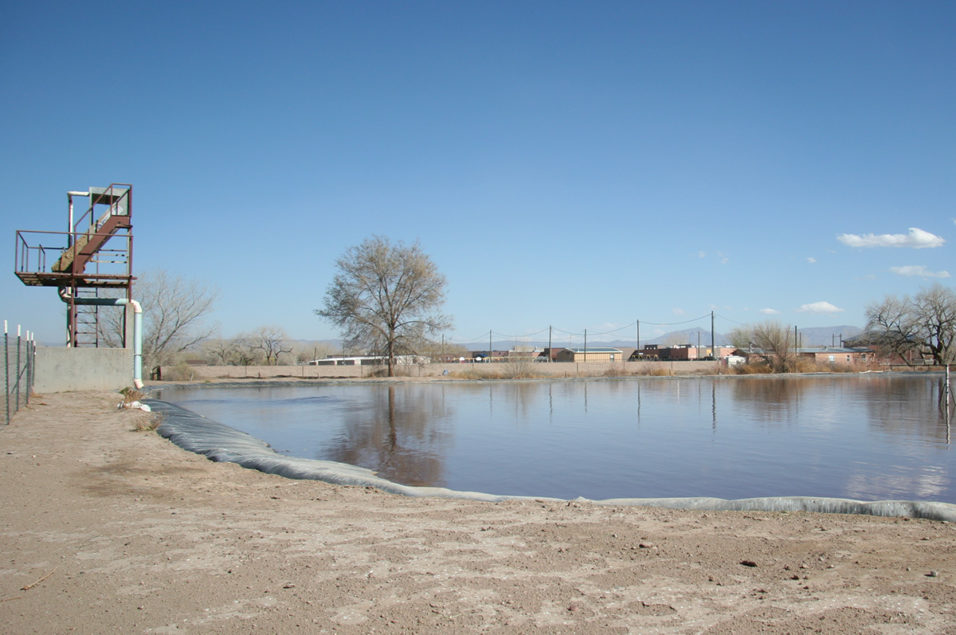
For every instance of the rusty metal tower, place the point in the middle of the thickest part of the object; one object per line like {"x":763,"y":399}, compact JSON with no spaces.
{"x":92,"y":259}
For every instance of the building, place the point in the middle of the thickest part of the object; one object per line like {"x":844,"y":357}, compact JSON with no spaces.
{"x":838,"y":355}
{"x":368,"y":360}
{"x":597,"y":354}
{"x":841,"y":355}
{"x":683,"y":352}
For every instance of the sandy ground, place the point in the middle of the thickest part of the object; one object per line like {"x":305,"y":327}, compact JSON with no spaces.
{"x":105,"y":529}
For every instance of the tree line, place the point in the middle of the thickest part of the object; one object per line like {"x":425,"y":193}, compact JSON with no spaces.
{"x":910,"y":330}
{"x":386,"y":299}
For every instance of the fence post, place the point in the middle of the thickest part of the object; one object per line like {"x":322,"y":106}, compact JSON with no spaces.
{"x":18,"y":367}
{"x":6,"y":370}
{"x":24,"y":370}
{"x":29,"y":384}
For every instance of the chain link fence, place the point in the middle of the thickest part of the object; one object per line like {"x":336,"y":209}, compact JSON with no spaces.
{"x":19,"y":355}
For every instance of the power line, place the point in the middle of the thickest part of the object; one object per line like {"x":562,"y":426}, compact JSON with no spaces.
{"x":724,"y":317}
{"x":697,"y":319}
{"x":580,"y":333}
{"x":511,"y":336}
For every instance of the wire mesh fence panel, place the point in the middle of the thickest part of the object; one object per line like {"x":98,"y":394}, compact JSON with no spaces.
{"x":19,"y":354}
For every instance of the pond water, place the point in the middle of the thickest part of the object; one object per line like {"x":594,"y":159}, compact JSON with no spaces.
{"x":866,"y":437}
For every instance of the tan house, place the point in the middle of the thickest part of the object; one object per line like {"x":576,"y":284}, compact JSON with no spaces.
{"x":598,"y":354}
{"x":684,"y":352}
{"x":838,"y":355}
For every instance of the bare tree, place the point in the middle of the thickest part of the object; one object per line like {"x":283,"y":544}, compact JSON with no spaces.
{"x":386,"y":298}
{"x":269,"y":339}
{"x":769,"y":341}
{"x":675,"y":339}
{"x":443,"y":350}
{"x":245,"y":346}
{"x":173,"y":313}
{"x":308,"y":352}
{"x":221,"y":352}
{"x":922,"y":326}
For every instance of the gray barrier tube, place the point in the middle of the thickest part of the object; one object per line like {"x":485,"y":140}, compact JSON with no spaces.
{"x":219,"y":442}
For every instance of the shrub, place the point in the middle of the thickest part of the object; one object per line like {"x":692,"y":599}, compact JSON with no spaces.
{"x":180,"y":372}
{"x":130,"y":395}
{"x":753,"y":368}
{"x":147,"y":423}
{"x":812,"y":366}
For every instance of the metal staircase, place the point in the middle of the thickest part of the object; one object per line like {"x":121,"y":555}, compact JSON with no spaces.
{"x":93,"y":259}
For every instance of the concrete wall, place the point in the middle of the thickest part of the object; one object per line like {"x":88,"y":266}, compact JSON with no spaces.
{"x":468,"y":370}
{"x":59,"y":369}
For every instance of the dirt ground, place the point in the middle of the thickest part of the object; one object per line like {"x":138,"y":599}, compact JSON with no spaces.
{"x":105,"y":529}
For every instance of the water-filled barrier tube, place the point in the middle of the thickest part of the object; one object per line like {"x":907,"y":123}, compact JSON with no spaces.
{"x":219,"y":442}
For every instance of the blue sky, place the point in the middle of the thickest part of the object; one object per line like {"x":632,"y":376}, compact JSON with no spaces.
{"x":576,"y":164}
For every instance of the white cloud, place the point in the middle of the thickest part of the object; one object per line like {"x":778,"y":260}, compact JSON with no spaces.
{"x":678,"y":311}
{"x":769,"y":311}
{"x":819,"y":307}
{"x":719,"y":255}
{"x":811,"y":260}
{"x":916,"y":238}
{"x":918,"y":270}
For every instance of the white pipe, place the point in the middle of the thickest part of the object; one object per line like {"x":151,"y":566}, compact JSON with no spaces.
{"x":137,"y":344}
{"x":70,"y":228}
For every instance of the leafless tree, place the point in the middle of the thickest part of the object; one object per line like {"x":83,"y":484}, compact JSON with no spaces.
{"x":268,"y":340}
{"x":307,"y":352}
{"x":221,"y":352}
{"x":675,"y":339}
{"x":174,"y":310}
{"x":247,"y":353}
{"x":921,"y":326}
{"x":769,"y":341}
{"x":386,"y":298}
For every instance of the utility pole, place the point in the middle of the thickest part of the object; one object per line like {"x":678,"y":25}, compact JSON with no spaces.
{"x":713,"y":346}
{"x":489,"y":345}
{"x":638,"y":335}
{"x":585,"y":345}
{"x":550,"y":352}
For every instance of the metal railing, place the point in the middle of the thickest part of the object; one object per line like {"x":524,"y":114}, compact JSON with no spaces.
{"x":32,"y":257}
{"x":117,"y":199}
{"x":19,"y":355}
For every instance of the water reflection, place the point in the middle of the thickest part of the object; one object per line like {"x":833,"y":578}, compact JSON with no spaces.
{"x":919,"y":482}
{"x":398,"y":437}
{"x":772,"y":400}
{"x":866,"y":437}
{"x":904,"y":408}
